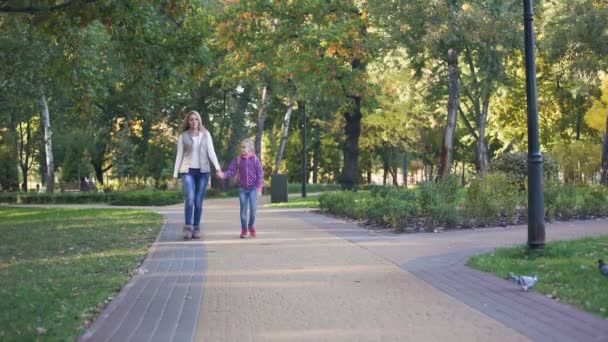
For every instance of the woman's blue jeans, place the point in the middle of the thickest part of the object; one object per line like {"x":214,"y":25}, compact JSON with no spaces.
{"x":248,"y":199}
{"x":195,"y":185}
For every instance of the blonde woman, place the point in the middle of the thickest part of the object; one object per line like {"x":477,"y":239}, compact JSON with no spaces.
{"x":195,"y":153}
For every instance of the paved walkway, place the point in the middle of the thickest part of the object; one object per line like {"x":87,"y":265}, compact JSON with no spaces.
{"x":310,"y":277}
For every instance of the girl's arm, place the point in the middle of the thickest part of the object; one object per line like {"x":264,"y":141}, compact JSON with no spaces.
{"x":231,"y":169}
{"x":259,"y":175}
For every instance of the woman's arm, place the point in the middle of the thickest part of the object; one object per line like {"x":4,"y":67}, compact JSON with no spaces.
{"x":211,"y":153}
{"x":178,"y":157}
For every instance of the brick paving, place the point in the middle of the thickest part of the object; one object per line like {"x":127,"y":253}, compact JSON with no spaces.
{"x":532,"y":314}
{"x":161,"y":303}
{"x":311,"y":277}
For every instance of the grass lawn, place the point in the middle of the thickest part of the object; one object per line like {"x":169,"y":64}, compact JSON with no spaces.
{"x":567,"y":270}
{"x":59,"y":267}
{"x":297,"y":202}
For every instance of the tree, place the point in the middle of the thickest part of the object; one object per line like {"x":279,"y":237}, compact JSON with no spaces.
{"x":575,"y":43}
{"x":597,"y":118}
{"x":484,"y":34}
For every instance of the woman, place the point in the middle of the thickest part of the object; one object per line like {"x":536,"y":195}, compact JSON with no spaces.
{"x":194,"y":153}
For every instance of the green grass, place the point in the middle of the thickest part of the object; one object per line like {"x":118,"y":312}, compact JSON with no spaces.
{"x":568,"y":270}
{"x":59,"y":267}
{"x":297,"y":202}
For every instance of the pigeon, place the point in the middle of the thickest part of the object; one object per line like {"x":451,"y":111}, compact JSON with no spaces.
{"x":526,"y":282}
{"x":603,"y":267}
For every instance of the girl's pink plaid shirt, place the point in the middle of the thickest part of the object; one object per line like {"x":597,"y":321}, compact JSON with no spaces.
{"x":250,"y":171}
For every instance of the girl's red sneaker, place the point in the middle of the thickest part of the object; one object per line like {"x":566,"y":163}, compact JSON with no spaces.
{"x":243,"y":234}
{"x":252,"y":231}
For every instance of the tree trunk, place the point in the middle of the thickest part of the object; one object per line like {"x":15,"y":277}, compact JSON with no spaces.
{"x":405,"y":163}
{"x":25,"y":155}
{"x":393,"y":171}
{"x":385,"y":164}
{"x":482,"y":147}
{"x":48,"y":147}
{"x":447,"y":148}
{"x":261,"y":118}
{"x":604,"y":179}
{"x":349,"y":179}
{"x":286,"y":120}
{"x":316,"y":154}
{"x":462,"y":180}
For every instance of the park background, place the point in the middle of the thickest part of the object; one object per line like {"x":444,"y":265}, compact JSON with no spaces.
{"x":406,"y":90}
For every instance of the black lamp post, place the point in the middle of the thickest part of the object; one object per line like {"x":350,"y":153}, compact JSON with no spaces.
{"x":536,"y":205}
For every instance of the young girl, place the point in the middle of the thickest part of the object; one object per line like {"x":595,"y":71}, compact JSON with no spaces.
{"x":250,"y":179}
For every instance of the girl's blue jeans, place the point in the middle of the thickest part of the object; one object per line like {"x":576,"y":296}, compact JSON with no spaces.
{"x":195,"y":185}
{"x":248,"y":199}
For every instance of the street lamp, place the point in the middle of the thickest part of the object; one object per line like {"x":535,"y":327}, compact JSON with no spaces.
{"x":536,"y":205}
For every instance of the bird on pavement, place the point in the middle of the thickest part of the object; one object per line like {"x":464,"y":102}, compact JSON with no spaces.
{"x":526,"y":282}
{"x":603,"y":267}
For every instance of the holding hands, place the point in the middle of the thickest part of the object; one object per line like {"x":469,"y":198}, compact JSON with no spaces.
{"x":220,"y":174}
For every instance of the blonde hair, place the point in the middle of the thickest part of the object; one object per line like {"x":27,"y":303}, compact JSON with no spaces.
{"x":186,"y":124}
{"x":249,"y":143}
{"x":186,"y":136}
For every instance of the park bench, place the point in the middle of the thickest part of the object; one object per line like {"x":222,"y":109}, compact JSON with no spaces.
{"x":77,"y":186}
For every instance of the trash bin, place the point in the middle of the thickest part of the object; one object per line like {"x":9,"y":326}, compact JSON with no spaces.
{"x":278,"y":188}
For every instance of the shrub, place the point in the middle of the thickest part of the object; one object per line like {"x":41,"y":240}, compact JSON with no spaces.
{"x":578,"y":160}
{"x":515,"y":166}
{"x":490,"y":198}
{"x":438,"y":202}
{"x":595,"y":202}
{"x":150,"y":197}
{"x":560,"y":200}
{"x":346,"y":203}
{"x":390,"y":206}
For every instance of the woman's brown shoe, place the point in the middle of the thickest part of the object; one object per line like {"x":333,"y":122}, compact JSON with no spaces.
{"x":187,"y":232}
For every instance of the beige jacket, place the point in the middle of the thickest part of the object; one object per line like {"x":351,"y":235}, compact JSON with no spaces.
{"x":184,"y":154}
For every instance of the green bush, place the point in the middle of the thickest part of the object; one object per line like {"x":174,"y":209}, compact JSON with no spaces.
{"x":515,"y":166}
{"x":143,"y":198}
{"x":54,"y":198}
{"x":345,"y":203}
{"x":578,"y":160}
{"x":491,"y":198}
{"x":390,"y":206}
{"x":595,"y":202}
{"x":438,"y":202}
{"x":148,"y":197}
{"x":294,"y":188}
{"x":560,"y":200}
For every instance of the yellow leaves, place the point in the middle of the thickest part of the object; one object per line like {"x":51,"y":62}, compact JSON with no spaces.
{"x":230,"y":45}
{"x":336,"y":50}
{"x":364,"y":15}
{"x":333,"y":18}
{"x":246,"y":16}
{"x":200,"y":74}
{"x":259,"y":66}
{"x":466,"y":7}
{"x":597,"y":115}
